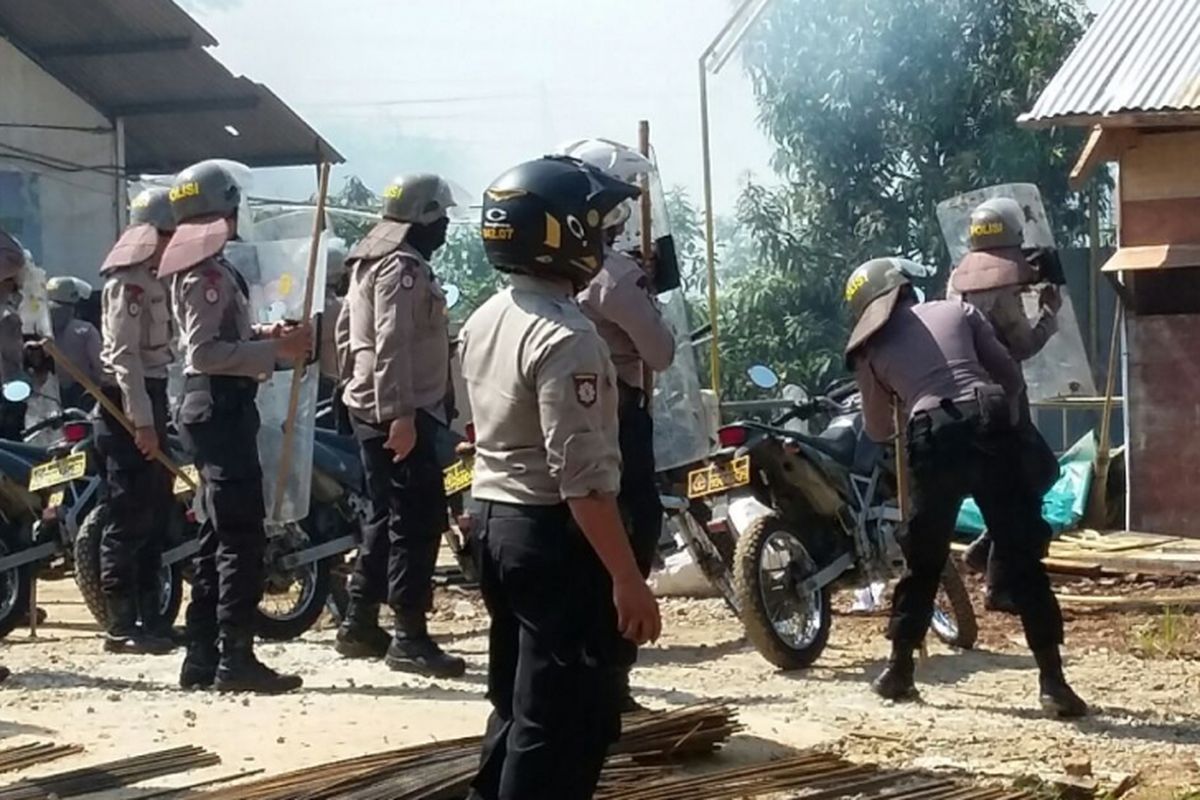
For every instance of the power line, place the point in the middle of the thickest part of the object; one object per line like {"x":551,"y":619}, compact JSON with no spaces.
{"x":42,"y":126}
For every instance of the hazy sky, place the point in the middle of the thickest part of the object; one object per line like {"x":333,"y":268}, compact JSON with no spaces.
{"x":470,"y":87}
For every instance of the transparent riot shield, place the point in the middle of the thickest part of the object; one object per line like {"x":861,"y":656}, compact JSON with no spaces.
{"x":681,"y":428}
{"x":276,"y":272}
{"x":1061,"y":368}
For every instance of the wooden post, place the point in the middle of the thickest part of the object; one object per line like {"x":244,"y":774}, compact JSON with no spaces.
{"x":901,"y":444}
{"x":301,"y":365}
{"x":112,"y":408}
{"x":1097,"y":506}
{"x":648,"y":258}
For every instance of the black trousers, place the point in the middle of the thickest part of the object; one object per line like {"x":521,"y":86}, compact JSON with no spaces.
{"x":138,"y":495}
{"x":222,"y":433}
{"x":952,"y":459}
{"x":552,"y":674}
{"x":408,"y":516}
{"x":639,"y":499}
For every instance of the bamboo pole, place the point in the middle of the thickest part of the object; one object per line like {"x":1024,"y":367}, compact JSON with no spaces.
{"x":112,"y":408}
{"x":300,"y":367}
{"x":647,"y":237}
{"x":1098,"y":501}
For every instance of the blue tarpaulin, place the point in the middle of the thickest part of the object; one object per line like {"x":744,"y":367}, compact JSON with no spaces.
{"x":1064,"y":504}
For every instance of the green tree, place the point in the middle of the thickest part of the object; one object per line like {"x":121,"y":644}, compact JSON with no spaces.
{"x":879,"y":109}
{"x":462,"y":263}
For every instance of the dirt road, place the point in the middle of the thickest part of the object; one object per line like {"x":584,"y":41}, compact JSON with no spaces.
{"x":979,"y":711}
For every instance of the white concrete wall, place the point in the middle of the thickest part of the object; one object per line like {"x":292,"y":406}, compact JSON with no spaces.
{"x":76,"y":211}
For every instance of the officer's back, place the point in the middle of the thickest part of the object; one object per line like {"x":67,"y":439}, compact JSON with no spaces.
{"x":929,"y":352}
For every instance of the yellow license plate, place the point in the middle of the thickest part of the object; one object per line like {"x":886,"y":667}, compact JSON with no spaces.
{"x":181,"y":486}
{"x":53,"y":473}
{"x":458,"y":476}
{"x":718,"y":478}
{"x":56,"y":498}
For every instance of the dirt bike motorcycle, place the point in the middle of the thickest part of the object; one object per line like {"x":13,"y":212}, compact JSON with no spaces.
{"x":811,"y":514}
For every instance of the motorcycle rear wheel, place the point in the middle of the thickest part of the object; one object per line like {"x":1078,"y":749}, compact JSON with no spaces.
{"x":954,"y":620}
{"x":787,"y":630}
{"x":15,"y":583}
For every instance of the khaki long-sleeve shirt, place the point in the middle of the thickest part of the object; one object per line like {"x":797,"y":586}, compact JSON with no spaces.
{"x":216,"y":335}
{"x":543,"y":397}
{"x":136,"y":323}
{"x":618,"y":301}
{"x":393,"y":339}
{"x":1005,"y":309}
{"x":926,"y":353}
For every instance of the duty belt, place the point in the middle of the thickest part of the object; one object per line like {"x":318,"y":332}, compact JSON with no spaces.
{"x":220,"y":385}
{"x":947,"y":413}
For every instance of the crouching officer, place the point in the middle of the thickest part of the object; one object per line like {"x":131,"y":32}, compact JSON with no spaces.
{"x":959,"y":390}
{"x":12,"y":345}
{"x":136,"y":322}
{"x":557,"y":571}
{"x":992,"y":277}
{"x":393,"y":343}
{"x":224,"y":362}
{"x":619,"y":301}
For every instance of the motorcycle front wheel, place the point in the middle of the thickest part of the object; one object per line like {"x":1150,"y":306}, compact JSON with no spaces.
{"x":788,"y":630}
{"x":293,"y":598}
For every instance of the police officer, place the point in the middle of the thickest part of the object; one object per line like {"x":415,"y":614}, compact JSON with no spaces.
{"x":620,"y":302}
{"x":12,"y":348}
{"x":394,"y":346}
{"x":993,"y":277}
{"x":78,"y":339}
{"x":557,"y":571}
{"x":959,"y":390}
{"x":136,"y":319}
{"x":225,"y":359}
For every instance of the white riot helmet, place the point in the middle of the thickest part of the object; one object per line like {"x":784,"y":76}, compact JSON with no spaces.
{"x":617,"y":161}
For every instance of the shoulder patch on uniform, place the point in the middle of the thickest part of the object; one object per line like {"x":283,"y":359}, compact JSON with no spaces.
{"x":407,"y":281}
{"x":586,"y":388}
{"x":211,"y":295}
{"x":133,"y":299}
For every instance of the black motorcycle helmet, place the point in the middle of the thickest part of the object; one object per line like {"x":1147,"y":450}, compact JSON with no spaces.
{"x":544,"y":218}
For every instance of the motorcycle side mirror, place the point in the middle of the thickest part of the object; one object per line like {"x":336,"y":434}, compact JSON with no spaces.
{"x":453,"y":295}
{"x":17,"y":391}
{"x":763,"y":376}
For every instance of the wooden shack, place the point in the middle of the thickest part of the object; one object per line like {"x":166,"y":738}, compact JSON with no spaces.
{"x":1134,"y":79}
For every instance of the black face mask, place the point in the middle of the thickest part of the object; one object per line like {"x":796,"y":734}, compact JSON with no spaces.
{"x":428,"y":239}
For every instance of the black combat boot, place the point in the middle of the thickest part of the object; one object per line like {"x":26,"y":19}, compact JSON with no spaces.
{"x":124,"y":635}
{"x":359,"y":635}
{"x":200,"y":664}
{"x":153,"y":622}
{"x":977,"y":554}
{"x":412,"y":650}
{"x":4,"y":674}
{"x":896,"y":680}
{"x":1055,"y":694}
{"x":241,"y":671}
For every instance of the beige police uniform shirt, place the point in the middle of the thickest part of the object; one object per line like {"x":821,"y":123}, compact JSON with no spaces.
{"x":1005,"y":309}
{"x":393,"y":339}
{"x":136,"y":328}
{"x":215,"y":329}
{"x":543,"y":397}
{"x":620,"y":304}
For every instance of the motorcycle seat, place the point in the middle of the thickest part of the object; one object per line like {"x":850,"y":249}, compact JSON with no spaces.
{"x":838,"y":443}
{"x":338,"y":463}
{"x":33,"y":453}
{"x":337,"y":441}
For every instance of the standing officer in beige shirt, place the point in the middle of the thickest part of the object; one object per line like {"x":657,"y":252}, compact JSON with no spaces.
{"x":393,"y":343}
{"x":135,"y":353}
{"x":557,"y":571}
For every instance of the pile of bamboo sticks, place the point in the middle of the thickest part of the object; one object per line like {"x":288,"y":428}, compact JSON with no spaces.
{"x":29,"y":755}
{"x":443,"y":770}
{"x":112,"y":775}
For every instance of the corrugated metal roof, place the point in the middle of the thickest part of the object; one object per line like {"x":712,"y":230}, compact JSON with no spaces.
{"x":1139,"y":57}
{"x":144,"y":61}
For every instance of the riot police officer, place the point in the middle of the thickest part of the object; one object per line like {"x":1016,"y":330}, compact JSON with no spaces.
{"x":136,"y":322}
{"x":992,"y":277}
{"x":620,"y":302}
{"x":225,"y":359}
{"x":393,"y":346}
{"x":959,"y":390}
{"x":557,"y":570}
{"x":12,"y":348}
{"x":77,"y":338}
